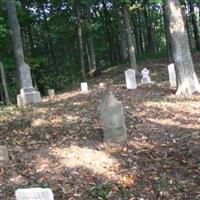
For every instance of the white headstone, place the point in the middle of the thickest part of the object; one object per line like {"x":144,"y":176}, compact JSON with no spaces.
{"x":34,"y":194}
{"x":112,"y":118}
{"x":3,"y":153}
{"x":84,"y":87}
{"x":130,"y":79}
{"x":51,"y":92}
{"x":145,"y":76}
{"x":172,"y":75}
{"x":101,"y":85}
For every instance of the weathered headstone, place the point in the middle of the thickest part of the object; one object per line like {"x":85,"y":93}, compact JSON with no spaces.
{"x":145,"y":76}
{"x":112,"y":118}
{"x":34,"y":194}
{"x":172,"y":75}
{"x":51,"y":92}
{"x":28,"y":94}
{"x":3,"y":153}
{"x":130,"y":79}
{"x":84,"y":87}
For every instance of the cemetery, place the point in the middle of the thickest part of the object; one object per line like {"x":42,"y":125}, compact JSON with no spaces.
{"x":99,"y":100}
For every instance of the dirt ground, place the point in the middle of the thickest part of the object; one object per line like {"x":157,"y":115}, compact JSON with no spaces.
{"x":59,"y":144}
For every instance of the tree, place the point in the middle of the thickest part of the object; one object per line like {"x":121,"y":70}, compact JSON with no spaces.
{"x":186,"y":77}
{"x":131,"y":49}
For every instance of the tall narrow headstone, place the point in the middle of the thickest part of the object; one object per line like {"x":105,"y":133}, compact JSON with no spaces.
{"x":34,"y":194}
{"x":172,"y":75}
{"x":3,"y":153}
{"x":112,"y":118}
{"x":130,"y":79}
{"x":84,"y":87}
{"x":145,"y":76}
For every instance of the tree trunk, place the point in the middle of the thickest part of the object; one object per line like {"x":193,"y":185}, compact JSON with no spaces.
{"x":131,"y":49}
{"x":24,"y":74}
{"x":80,"y":39}
{"x":92,"y":53}
{"x":186,"y":77}
{"x":4,"y":84}
{"x":194,"y":24}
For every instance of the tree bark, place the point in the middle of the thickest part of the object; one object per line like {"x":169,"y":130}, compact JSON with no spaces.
{"x":80,"y":39}
{"x":24,"y":74}
{"x":4,"y":84}
{"x":131,"y":49}
{"x":187,"y":80}
{"x":194,"y":24}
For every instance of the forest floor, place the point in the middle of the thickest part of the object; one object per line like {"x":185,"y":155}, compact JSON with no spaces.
{"x":59,"y":143}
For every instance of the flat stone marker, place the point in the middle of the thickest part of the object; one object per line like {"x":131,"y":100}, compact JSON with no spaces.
{"x":172,"y":75}
{"x":3,"y":153}
{"x":112,"y":118}
{"x":51,"y":92}
{"x":34,"y":194}
{"x":130,"y":79}
{"x":84,"y":87}
{"x":145,"y":76}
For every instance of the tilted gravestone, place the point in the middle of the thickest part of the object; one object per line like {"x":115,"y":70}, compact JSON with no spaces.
{"x":172,"y":75}
{"x":3,"y":153}
{"x":112,"y":117}
{"x":84,"y":87}
{"x":145,"y":76}
{"x":34,"y":194}
{"x":130,"y":79}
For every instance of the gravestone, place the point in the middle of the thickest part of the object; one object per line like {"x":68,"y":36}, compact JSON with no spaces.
{"x":112,"y":118}
{"x":172,"y":75}
{"x":51,"y":92}
{"x":3,"y":153}
{"x":84,"y":87}
{"x":130,"y":79}
{"x":145,"y":76}
{"x":101,"y":85}
{"x":34,"y":194}
{"x":28,"y":94}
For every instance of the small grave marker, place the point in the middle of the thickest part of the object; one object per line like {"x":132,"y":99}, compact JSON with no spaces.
{"x":172,"y":75}
{"x":3,"y":153}
{"x":34,"y":194}
{"x":130,"y":79}
{"x":112,"y":118}
{"x":84,"y":87}
{"x":145,"y":76}
{"x":51,"y":92}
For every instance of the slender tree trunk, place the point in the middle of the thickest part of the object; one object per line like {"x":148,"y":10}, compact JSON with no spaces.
{"x":131,"y":49}
{"x":24,"y":74}
{"x":92,"y":53}
{"x":186,"y":77}
{"x":80,"y":39}
{"x":194,"y":24}
{"x":88,"y":56}
{"x":4,"y":84}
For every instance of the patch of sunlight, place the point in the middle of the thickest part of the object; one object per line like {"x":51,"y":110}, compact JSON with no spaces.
{"x":17,"y":179}
{"x":39,"y":122}
{"x":142,"y":144}
{"x":70,"y":118}
{"x":98,"y":162}
{"x":40,"y":110}
{"x":80,"y":103}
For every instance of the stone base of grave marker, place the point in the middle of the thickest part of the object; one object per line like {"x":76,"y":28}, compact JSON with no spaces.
{"x":113,"y":119}
{"x":34,"y":194}
{"x":28,"y":96}
{"x":3,"y":153}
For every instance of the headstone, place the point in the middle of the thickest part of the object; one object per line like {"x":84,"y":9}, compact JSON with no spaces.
{"x":3,"y":153}
{"x":51,"y":92}
{"x":112,"y":118}
{"x":28,"y":94}
{"x":172,"y":75}
{"x":145,"y":76}
{"x":84,"y":87}
{"x":130,"y":79}
{"x":101,"y":85}
{"x":34,"y":194}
